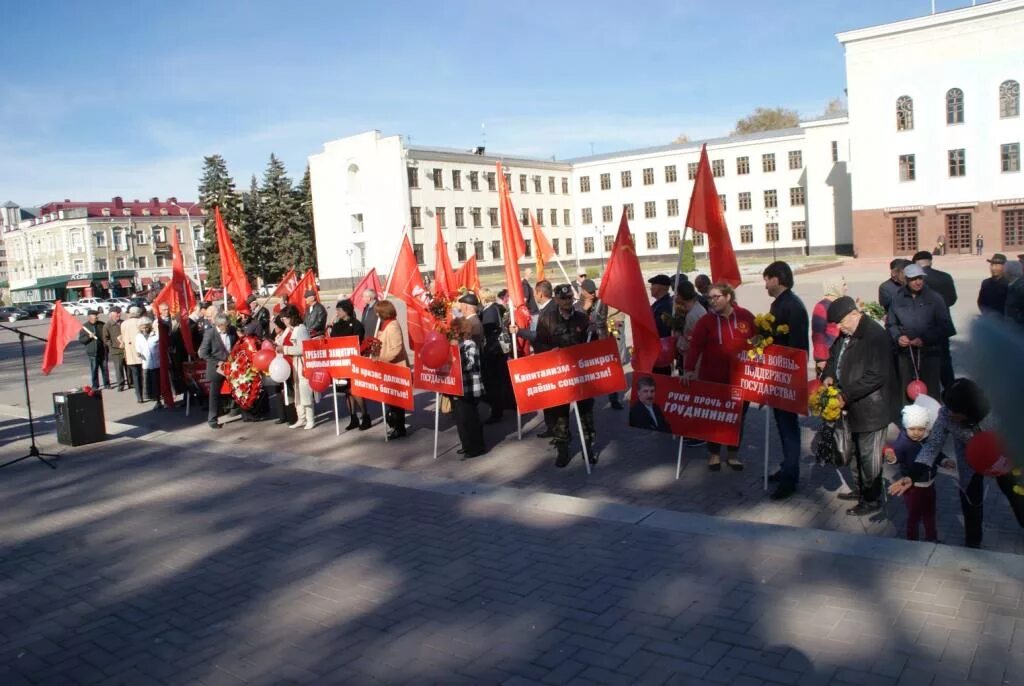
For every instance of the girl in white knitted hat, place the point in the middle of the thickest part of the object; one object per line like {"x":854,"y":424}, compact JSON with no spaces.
{"x":919,"y":495}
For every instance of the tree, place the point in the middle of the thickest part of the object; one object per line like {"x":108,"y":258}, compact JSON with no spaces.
{"x":765,"y":119}
{"x":835,"y":106}
{"x":279,"y":211}
{"x":681,"y":138}
{"x":217,"y":189}
{"x":305,"y":237}
{"x":253,"y":246}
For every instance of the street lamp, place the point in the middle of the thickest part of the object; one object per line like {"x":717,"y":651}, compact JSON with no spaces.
{"x":351,"y":273}
{"x":192,"y":235}
{"x":771,"y":216}
{"x":600,"y":229}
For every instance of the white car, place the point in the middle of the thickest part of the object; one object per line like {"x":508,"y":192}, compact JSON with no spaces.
{"x":86,"y":304}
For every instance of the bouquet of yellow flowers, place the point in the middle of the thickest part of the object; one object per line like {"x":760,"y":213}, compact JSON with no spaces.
{"x":766,"y":331}
{"x":832,"y":444}
{"x":824,"y":403}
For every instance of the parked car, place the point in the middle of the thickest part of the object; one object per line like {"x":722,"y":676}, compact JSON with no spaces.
{"x":86,"y":304}
{"x":13,"y":314}
{"x":39,"y":310}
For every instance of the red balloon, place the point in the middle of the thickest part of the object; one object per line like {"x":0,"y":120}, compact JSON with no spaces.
{"x":986,"y":453}
{"x":319,"y":380}
{"x":267,"y":345}
{"x":435,"y":350}
{"x":261,"y":359}
{"x":813,"y":385}
{"x":666,"y":353}
{"x":916,"y":388}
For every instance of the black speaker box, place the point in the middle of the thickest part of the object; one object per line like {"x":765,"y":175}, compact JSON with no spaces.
{"x":79,"y":417}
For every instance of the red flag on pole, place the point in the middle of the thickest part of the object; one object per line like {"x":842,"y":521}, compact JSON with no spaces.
{"x":288,"y":283}
{"x":544,"y":252}
{"x":369,"y":282}
{"x":178,"y":295}
{"x":515,"y":248}
{"x":63,"y":329}
{"x":298,"y":295}
{"x":623,"y":287}
{"x":467,"y":276}
{"x":444,"y":276}
{"x":232,"y":273}
{"x":406,"y":283}
{"x":705,"y":215}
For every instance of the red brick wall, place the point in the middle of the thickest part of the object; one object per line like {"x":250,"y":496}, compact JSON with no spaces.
{"x":874,"y":233}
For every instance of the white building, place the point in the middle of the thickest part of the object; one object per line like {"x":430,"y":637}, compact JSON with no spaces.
{"x":935,"y":130}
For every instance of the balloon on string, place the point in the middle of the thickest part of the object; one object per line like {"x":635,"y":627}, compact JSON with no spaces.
{"x":261,"y":360}
{"x":267,"y":345}
{"x":916,"y":388}
{"x":279,"y":369}
{"x":435,"y":350}
{"x":986,"y":453}
{"x":319,"y":380}
{"x":666,"y":353}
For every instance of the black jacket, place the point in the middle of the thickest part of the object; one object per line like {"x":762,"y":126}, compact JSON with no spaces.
{"x":212,"y":348}
{"x":887,"y":291}
{"x":556,"y":331}
{"x":1015,"y":302}
{"x":923,"y":316}
{"x":662,"y":305}
{"x":789,"y":309}
{"x":91,"y":336}
{"x":992,"y":296}
{"x":941,"y":283}
{"x":640,"y":418}
{"x":867,"y":377}
{"x":368,"y":318}
{"x":528,"y":298}
{"x":316,"y":320}
{"x":347,"y":327}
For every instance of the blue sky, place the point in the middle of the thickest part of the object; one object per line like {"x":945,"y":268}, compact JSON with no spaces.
{"x":106,"y":98}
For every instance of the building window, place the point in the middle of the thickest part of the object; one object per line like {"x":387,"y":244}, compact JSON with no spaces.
{"x":568,"y":246}
{"x":588,"y":245}
{"x":673,"y":238}
{"x":744,"y":200}
{"x":768,"y":162}
{"x":698,"y":238}
{"x":492,"y":184}
{"x":438,"y":179}
{"x":474,"y":181}
{"x":417,"y":249}
{"x":414,"y":177}
{"x":587,"y":217}
{"x":673,"y":207}
{"x":796,"y":159}
{"x":721,"y":201}
{"x":958,"y":231}
{"x":475,"y":213}
{"x":606,"y":213}
{"x":904,"y":113}
{"x":718,"y":168}
{"x":460,"y":217}
{"x":691,"y":170}
{"x":1013,"y":228}
{"x":1009,"y":154}
{"x":652,"y":240}
{"x":456,"y":179}
{"x":460,"y":251}
{"x":1009,"y":99}
{"x":551,"y":185}
{"x":835,"y":151}
{"x":904,"y":231}
{"x":907,"y":168}
{"x":628,"y":209}
{"x":565,"y":185}
{"x":627,"y":178}
{"x":101,"y":236}
{"x":101,"y":265}
{"x":120,"y":262}
{"x":508,"y":181}
{"x":495,"y":250}
{"x":954,"y":106}
{"x":555,"y":243}
{"x":522,"y":183}
{"x":648,"y":176}
{"x":649,"y":211}
{"x":492,"y":214}
{"x":797,"y":196}
{"x":140,"y":238}
{"x":540,"y":216}
{"x":529,"y":248}
{"x":554,"y":217}
{"x":566,"y":218}
{"x":742,"y":165}
{"x":536,"y":184}
{"x":584,"y":184}
{"x":606,"y":181}
{"x":799,"y":230}
{"x":771,"y":232}
{"x":957,"y":162}
{"x":439,"y":211}
{"x":478,"y":250}
{"x":609,"y":242}
{"x":771,"y":198}
{"x":524,"y":217}
{"x":670,"y":173}
{"x":141,"y":260}
{"x":747,"y":233}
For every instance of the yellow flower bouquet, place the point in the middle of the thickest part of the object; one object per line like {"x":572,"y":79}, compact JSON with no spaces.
{"x":766,"y":331}
{"x":824,"y":403}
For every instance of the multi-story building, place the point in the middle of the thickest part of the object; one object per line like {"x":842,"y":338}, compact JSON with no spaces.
{"x":76,"y":249}
{"x":936,"y":131}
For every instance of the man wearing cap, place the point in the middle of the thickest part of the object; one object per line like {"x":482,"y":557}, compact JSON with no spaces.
{"x":469,"y":304}
{"x":258,"y":323}
{"x":920,"y":326}
{"x":860,"y":365}
{"x":562,"y":326}
{"x":888,"y":288}
{"x":114,"y":344}
{"x":316,"y":316}
{"x":662,"y":309}
{"x":1015,"y":292}
{"x":597,"y":314}
{"x":992,"y":294}
{"x":941,"y":283}
{"x":91,"y":336}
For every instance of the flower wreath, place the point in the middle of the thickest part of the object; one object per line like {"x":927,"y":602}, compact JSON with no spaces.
{"x":244,"y":379}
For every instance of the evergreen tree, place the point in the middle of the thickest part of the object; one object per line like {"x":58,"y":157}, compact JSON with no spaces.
{"x":278,"y":211}
{"x":254,"y":246}
{"x":217,"y":188}
{"x":304,"y":237}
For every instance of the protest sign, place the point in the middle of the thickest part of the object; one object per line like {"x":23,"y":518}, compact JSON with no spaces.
{"x":777,"y":379}
{"x":333,"y":355}
{"x":565,"y":375}
{"x":447,"y":380}
{"x":700,"y":409}
{"x":382,"y":382}
{"x":195,"y":373}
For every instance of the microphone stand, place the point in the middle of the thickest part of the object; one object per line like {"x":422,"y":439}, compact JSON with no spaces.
{"x":33,"y":451}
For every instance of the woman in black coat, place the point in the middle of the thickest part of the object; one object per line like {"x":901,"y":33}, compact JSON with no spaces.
{"x":494,"y":362}
{"x":347,"y":324}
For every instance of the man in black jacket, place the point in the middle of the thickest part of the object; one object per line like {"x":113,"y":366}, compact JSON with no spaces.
{"x":941,"y":283}
{"x":218,"y":340}
{"x":992,"y":294}
{"x":1014,"y":293}
{"x":661,"y":308}
{"x":316,"y":316}
{"x":789,"y":311}
{"x":920,"y":326}
{"x":860,"y":365}
{"x":114,"y":344}
{"x":888,"y":288}
{"x":91,"y":336}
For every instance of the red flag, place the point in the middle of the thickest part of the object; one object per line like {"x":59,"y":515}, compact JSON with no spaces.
{"x":287,"y":284}
{"x":705,"y":215}
{"x":63,"y":329}
{"x":178,"y":295}
{"x":369,"y":282}
{"x":406,"y":283}
{"x":444,"y":276}
{"x":467,"y":276}
{"x":623,"y":287}
{"x":515,"y":248}
{"x":232,"y":273}
{"x":544,"y":252}
{"x":298,"y":295}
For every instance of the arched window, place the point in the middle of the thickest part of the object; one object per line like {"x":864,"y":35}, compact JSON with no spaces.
{"x":1009,"y":99}
{"x":904,"y":113}
{"x":954,"y":106}
{"x":353,"y":178}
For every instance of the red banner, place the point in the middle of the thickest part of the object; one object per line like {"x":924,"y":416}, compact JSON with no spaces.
{"x":331,"y":354}
{"x":776,"y":379}
{"x":382,"y":381}
{"x":701,"y":409}
{"x":195,"y":372}
{"x":447,"y":380}
{"x":565,"y":375}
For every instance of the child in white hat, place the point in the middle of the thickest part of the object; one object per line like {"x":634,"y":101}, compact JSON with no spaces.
{"x":919,"y":496}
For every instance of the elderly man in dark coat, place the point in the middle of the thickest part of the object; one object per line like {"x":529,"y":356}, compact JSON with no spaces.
{"x":860,"y":364}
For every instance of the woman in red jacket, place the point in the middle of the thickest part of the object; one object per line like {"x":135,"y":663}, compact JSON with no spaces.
{"x":719,"y":338}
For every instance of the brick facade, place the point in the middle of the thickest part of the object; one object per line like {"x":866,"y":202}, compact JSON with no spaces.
{"x":875,"y":231}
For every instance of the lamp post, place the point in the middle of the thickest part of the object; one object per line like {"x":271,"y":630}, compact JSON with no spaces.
{"x":192,"y":235}
{"x":351,"y":273}
{"x":771,"y":216}
{"x":600,"y":229}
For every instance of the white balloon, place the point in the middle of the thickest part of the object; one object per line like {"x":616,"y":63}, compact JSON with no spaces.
{"x":279,"y":369}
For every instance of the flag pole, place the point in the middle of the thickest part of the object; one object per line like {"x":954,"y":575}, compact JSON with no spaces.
{"x":583,"y":441}
{"x":437,"y":419}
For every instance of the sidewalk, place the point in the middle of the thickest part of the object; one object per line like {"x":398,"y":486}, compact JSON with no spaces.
{"x":138,"y":563}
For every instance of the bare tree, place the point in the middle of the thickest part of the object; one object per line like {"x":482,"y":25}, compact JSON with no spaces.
{"x":835,"y":106}
{"x":767,"y":119}
{"x":681,"y":138}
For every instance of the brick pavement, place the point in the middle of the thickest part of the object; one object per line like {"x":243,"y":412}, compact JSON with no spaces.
{"x":138,"y":563}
